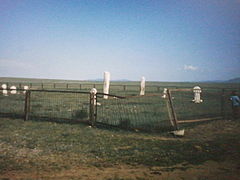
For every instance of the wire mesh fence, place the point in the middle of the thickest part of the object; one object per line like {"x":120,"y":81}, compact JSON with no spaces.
{"x":139,"y":112}
{"x":115,"y":88}
{"x":12,"y":103}
{"x":149,"y":112}
{"x":72,"y":106}
{"x":59,"y":105}
{"x":186,"y":109}
{"x":215,"y":104}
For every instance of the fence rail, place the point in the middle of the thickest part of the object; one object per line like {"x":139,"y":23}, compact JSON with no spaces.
{"x":99,"y":85}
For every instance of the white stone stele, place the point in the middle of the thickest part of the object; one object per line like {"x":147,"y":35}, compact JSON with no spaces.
{"x":179,"y":132}
{"x":106,"y":84}
{"x":25,"y":89}
{"x":4,"y":86}
{"x":197,"y":94}
{"x":4,"y":91}
{"x":94,"y":91}
{"x":142,"y":90}
{"x":164,"y":93}
{"x":13,"y":90}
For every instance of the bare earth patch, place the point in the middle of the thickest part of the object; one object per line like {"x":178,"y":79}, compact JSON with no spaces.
{"x":208,"y":170}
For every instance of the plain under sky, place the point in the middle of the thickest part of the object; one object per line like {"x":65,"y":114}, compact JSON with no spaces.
{"x":163,"y":40}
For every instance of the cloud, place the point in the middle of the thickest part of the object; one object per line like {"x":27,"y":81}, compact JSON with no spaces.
{"x":190,"y":68}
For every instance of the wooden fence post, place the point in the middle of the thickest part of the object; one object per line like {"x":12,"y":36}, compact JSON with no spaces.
{"x":67,"y":85}
{"x":42,"y":85}
{"x":80,"y":86}
{"x":93,"y":107}
{"x":54,"y":85}
{"x":27,"y":105}
{"x":171,"y":110}
{"x":124,"y":87}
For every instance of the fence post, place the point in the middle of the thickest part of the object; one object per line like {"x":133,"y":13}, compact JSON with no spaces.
{"x":172,"y":111}
{"x":223,"y":104}
{"x":80,"y":86}
{"x":42,"y":85}
{"x":124,"y":87}
{"x":93,"y":106}
{"x":27,"y":105}
{"x":54,"y":85}
{"x":67,"y":85}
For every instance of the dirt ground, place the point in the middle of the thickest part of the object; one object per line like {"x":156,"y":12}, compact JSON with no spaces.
{"x":227,"y":169}
{"x":208,"y":170}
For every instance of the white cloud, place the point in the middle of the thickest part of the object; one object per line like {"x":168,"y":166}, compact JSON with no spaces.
{"x":190,"y":68}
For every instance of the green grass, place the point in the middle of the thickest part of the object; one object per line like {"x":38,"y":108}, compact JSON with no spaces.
{"x":47,"y":146}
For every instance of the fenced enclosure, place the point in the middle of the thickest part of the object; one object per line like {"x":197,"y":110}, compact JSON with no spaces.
{"x":147,"y":112}
{"x":46,"y":104}
{"x":59,"y":105}
{"x":216,"y":104}
{"x":150,"y":112}
{"x":12,"y":105}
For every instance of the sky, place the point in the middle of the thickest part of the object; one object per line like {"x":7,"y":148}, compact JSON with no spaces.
{"x":162,"y":40}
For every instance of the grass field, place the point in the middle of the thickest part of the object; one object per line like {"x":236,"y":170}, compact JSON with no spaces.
{"x":37,"y":149}
{"x":43,"y":150}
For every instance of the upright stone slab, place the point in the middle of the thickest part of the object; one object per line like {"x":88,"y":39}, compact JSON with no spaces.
{"x":4,"y":91}
{"x":106,"y":84}
{"x":94,"y":92}
{"x":164,"y":93}
{"x":142,"y":88}
{"x":13,"y":90}
{"x":25,"y":89}
{"x":197,"y":94}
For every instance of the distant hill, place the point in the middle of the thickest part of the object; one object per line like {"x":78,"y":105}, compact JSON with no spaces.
{"x":235,"y":80}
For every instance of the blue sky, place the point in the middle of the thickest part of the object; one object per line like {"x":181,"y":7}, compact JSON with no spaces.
{"x":163,"y":40}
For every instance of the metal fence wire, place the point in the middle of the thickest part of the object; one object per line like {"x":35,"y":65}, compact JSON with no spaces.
{"x":149,"y":112}
{"x":12,"y":103}
{"x":59,"y":105}
{"x":139,"y":112}
{"x":215,"y":103}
